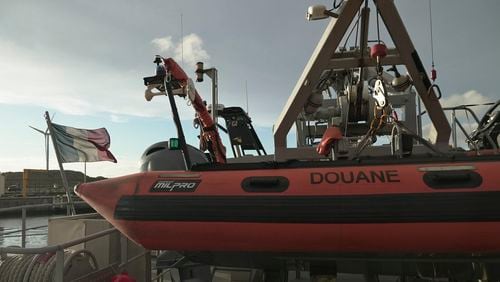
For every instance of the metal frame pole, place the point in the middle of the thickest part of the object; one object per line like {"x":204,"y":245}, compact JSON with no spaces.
{"x":61,"y":168}
{"x":123,"y":249}
{"x":419,"y":117}
{"x":320,"y":60}
{"x":147,"y":258}
{"x":214,"y":76}
{"x":410,"y":58}
{"x":59,"y":269}
{"x":454,"y":129}
{"x":23,"y":227}
{"x":363,"y":39}
{"x":177,"y":121}
{"x":215,"y":95}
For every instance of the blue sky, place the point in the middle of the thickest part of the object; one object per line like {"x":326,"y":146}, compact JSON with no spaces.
{"x":84,"y":61}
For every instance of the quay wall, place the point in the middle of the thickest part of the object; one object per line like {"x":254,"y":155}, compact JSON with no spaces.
{"x":8,"y":202}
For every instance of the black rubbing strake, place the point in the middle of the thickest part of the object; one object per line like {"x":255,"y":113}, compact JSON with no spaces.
{"x":381,"y":208}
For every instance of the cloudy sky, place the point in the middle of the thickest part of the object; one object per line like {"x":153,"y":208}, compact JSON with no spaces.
{"x":84,"y":61}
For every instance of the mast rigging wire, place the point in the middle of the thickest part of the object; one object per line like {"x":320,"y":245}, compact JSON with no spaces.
{"x":356,"y":25}
{"x":378,"y":28}
{"x":432,"y":39}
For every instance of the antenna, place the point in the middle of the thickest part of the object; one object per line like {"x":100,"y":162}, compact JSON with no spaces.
{"x":182,"y":42}
{"x":246,"y":95}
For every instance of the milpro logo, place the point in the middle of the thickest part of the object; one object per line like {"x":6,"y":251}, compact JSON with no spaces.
{"x":175,"y":186}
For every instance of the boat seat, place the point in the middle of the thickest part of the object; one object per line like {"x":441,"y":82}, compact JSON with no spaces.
{"x":241,"y":132}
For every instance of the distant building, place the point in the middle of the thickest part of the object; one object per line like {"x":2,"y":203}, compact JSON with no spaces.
{"x":39,"y":181}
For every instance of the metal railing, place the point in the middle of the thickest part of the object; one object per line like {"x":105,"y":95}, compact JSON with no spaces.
{"x":23,"y":210}
{"x":455,"y":122}
{"x":59,"y":248}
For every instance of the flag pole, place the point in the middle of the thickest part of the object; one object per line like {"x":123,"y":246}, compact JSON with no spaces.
{"x":61,"y":168}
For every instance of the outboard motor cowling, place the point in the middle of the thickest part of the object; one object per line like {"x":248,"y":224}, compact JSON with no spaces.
{"x":158,"y":157}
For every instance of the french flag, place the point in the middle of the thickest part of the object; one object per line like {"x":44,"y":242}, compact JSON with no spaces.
{"x":82,"y":145}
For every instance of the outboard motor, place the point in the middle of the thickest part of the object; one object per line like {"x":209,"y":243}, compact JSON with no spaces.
{"x":487,"y":134}
{"x":159,"y":156}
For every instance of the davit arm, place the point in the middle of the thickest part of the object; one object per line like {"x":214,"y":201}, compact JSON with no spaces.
{"x":210,"y":136}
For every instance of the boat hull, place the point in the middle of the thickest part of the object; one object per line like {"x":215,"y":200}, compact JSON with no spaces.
{"x":412,"y":207}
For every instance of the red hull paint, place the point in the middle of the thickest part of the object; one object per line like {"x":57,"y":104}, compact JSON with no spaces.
{"x":420,"y":237}
{"x":391,"y":238}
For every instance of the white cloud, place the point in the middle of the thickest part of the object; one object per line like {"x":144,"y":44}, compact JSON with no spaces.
{"x":193,"y":50}
{"x":81,"y":87}
{"x":76,"y":87}
{"x":118,"y":118}
{"x":163,"y":44}
{"x":469,"y":97}
{"x":429,"y":132}
{"x":189,"y":49}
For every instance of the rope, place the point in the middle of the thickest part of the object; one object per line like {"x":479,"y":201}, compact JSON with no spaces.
{"x":381,"y":122}
{"x":432,"y":39}
{"x":433,"y":70}
{"x":39,"y":267}
{"x":337,"y":5}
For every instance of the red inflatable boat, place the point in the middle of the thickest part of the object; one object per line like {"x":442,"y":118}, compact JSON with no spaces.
{"x":338,"y":191}
{"x":431,"y":206}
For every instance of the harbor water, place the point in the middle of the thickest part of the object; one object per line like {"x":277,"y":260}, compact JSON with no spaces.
{"x":34,"y":237}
